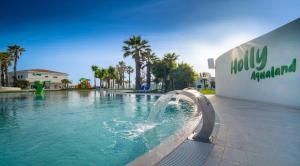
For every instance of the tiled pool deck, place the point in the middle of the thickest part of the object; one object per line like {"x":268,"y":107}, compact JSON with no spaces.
{"x":252,"y":133}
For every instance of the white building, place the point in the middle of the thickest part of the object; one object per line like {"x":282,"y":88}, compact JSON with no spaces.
{"x":264,"y":69}
{"x":205,"y":81}
{"x":52,"y":78}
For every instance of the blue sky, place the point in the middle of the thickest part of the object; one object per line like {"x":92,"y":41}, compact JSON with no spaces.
{"x":72,"y":35}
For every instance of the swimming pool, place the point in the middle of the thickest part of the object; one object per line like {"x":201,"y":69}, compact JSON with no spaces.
{"x":81,"y":127}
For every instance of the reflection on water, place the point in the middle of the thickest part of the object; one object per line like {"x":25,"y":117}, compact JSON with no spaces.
{"x":39,"y":97}
{"x":79,"y":127}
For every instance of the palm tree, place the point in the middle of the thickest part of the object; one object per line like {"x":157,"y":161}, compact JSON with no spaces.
{"x":135,"y":47}
{"x":169,"y":61}
{"x":129,"y":70}
{"x":15,"y":51}
{"x":118,"y":76}
{"x":1,"y":74}
{"x":5,"y":59}
{"x":119,"y":71}
{"x":100,"y":73}
{"x":95,"y":70}
{"x":104,"y":75}
{"x":149,"y":58}
{"x":66,"y":82}
{"x":122,"y":68}
{"x":111,"y":75}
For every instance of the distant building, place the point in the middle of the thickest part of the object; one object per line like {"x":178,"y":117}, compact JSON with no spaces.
{"x":52,"y":78}
{"x":205,"y":81}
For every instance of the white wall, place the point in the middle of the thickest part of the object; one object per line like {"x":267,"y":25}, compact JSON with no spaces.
{"x":52,"y":77}
{"x":283,"y":45}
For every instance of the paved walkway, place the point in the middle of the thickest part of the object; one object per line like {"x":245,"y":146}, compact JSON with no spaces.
{"x":251,"y":133}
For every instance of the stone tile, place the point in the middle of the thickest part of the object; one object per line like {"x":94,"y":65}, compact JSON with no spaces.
{"x":212,"y":161}
{"x":219,"y":141}
{"x":228,"y":163}
{"x":266,"y":134}
{"x":268,"y":159}
{"x":217,"y":151}
{"x":235,"y":155}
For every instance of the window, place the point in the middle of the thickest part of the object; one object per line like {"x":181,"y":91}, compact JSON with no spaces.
{"x":36,"y":74}
{"x":55,"y":77}
{"x":46,"y":76}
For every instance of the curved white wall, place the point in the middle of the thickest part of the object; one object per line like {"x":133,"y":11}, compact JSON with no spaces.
{"x":277,"y":66}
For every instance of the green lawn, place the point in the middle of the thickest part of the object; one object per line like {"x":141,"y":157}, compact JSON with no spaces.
{"x":207,"y":91}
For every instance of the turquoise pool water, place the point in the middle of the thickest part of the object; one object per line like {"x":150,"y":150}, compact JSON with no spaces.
{"x":81,"y":128}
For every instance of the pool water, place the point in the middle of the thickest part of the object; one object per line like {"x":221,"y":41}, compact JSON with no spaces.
{"x":81,"y":128}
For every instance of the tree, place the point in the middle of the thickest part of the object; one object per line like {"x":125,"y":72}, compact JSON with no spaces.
{"x":22,"y":84}
{"x":105,"y":76}
{"x":5,"y":59}
{"x":183,"y":76}
{"x":149,"y":58}
{"x":121,"y":67}
{"x":169,"y":61}
{"x":100,"y":73}
{"x":111,"y":75}
{"x":66,"y":82}
{"x":119,"y":77}
{"x":95,"y":69}
{"x":1,"y":74}
{"x":129,"y":70}
{"x":135,"y":47}
{"x":15,"y":51}
{"x":158,"y":71}
{"x":162,"y":69}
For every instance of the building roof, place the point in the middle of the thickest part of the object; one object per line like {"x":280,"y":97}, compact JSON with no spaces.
{"x":42,"y":70}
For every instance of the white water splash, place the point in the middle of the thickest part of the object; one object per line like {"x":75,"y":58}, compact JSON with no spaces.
{"x":173,"y":100}
{"x":126,"y":129}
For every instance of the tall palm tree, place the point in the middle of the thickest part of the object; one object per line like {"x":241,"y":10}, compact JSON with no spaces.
{"x":135,"y":47}
{"x":119,"y":71}
{"x":118,"y":76}
{"x":5,"y":59}
{"x":95,"y":70}
{"x":122,"y":69}
{"x":111,"y":76}
{"x":15,"y":51}
{"x":2,"y":72}
{"x":101,"y":73}
{"x":169,"y":61}
{"x":129,"y":70}
{"x":105,"y":76}
{"x":149,"y":57}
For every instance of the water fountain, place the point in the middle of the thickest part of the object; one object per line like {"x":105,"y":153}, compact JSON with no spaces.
{"x":188,"y":98}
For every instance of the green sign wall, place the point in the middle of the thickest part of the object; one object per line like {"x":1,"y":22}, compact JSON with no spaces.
{"x":255,"y":60}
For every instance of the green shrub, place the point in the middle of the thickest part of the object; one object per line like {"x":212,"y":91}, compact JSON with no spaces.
{"x":207,"y":91}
